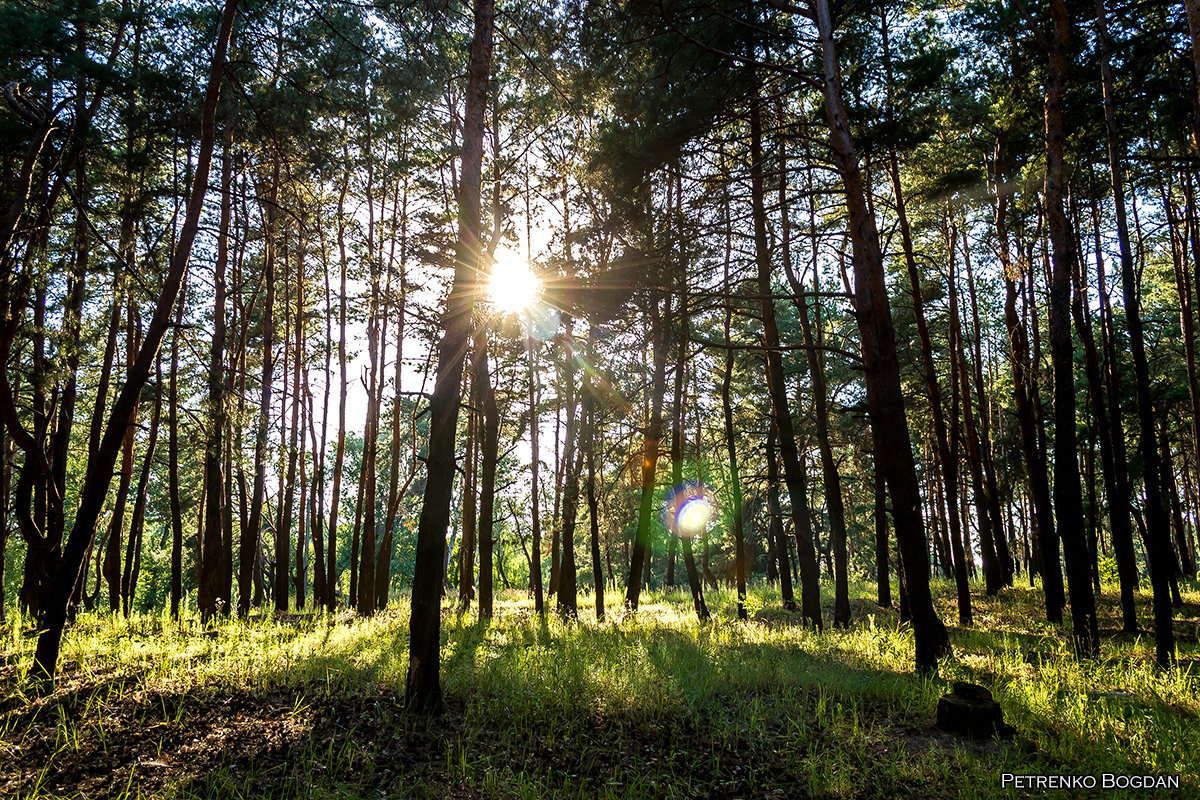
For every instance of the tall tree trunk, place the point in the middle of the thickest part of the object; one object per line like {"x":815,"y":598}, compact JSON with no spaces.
{"x":589,"y":442}
{"x":287,"y":484}
{"x":251,"y":541}
{"x":423,"y":685}
{"x":383,"y":569}
{"x":133,"y":556}
{"x":535,"y":577}
{"x":300,"y":422}
{"x":820,"y":390}
{"x":470,"y":517}
{"x":176,"y":507}
{"x":112,"y":559}
{"x":793,"y":468}
{"x":1068,"y":500}
{"x":1024,"y":386}
{"x":947,"y":449}
{"x":573,"y":458}
{"x":677,"y":481}
{"x":659,"y":324}
{"x":991,"y":488}
{"x":881,"y":366}
{"x":99,"y":473}
{"x":340,"y":452}
{"x":959,"y":372}
{"x":487,"y":476}
{"x":882,"y":559}
{"x":1192,"y":7}
{"x":217,"y":416}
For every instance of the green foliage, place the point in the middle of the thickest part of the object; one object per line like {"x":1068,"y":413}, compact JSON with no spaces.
{"x":655,"y":705}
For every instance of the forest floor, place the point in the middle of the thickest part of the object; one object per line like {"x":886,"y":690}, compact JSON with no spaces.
{"x":647,"y":706}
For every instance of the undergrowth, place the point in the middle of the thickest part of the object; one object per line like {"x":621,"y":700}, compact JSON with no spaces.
{"x":645,"y":705}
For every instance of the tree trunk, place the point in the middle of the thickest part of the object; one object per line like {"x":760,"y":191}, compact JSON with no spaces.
{"x":882,"y":558}
{"x":423,"y":685}
{"x":112,"y":559}
{"x":176,"y":507}
{"x":589,"y":442}
{"x":1068,"y":500}
{"x":820,"y":391}
{"x":659,"y":324}
{"x":470,"y":516}
{"x":1024,"y":386}
{"x":993,"y":578}
{"x":99,"y":473}
{"x":535,"y":577}
{"x":487,"y":476}
{"x":133,"y":556}
{"x":947,"y":449}
{"x":793,"y":468}
{"x":251,"y":539}
{"x":340,"y":452}
{"x":217,"y":417}
{"x":881,"y":367}
{"x":775,"y":524}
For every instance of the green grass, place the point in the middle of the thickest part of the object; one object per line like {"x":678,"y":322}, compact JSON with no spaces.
{"x":643,"y":706}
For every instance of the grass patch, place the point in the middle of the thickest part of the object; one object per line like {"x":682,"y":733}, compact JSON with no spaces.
{"x":647,"y":705}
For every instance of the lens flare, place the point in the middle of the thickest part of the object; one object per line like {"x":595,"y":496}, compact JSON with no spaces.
{"x":688,"y":509}
{"x":541,"y":321}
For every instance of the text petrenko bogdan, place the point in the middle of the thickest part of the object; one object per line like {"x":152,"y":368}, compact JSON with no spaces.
{"x":1105,"y":780}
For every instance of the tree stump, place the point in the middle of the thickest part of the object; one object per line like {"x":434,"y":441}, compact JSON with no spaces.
{"x":970,"y":711}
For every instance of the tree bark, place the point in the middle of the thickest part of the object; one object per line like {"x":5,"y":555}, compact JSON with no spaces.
{"x":99,"y":473}
{"x":1068,"y":500}
{"x":217,"y":416}
{"x":793,"y":468}
{"x":659,"y":324}
{"x":487,"y":477}
{"x":881,"y":366}
{"x":423,"y":685}
{"x":251,"y":539}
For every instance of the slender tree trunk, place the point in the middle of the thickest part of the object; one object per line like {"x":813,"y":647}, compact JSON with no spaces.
{"x":959,"y":375}
{"x":793,"y":468}
{"x":659,"y":324}
{"x":112,"y":559}
{"x":487,"y":495}
{"x":176,"y":507}
{"x":340,"y":452}
{"x":217,"y":417}
{"x":1193,"y":17}
{"x":990,"y":486}
{"x":882,"y":559}
{"x":423,"y":686}
{"x":99,"y":473}
{"x":470,"y":516}
{"x":573,"y":460}
{"x":820,"y":390}
{"x":1068,"y":500}
{"x":591,"y":434}
{"x":735,"y":484}
{"x":881,"y":366}
{"x":1024,"y":385}
{"x":251,"y":541}
{"x":947,"y":454}
{"x":133,"y":557}
{"x":539,"y":601}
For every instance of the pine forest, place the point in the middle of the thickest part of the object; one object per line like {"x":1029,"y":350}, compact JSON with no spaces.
{"x":634,"y":399}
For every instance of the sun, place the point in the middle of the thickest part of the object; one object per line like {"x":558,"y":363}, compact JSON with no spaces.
{"x":513,"y":287}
